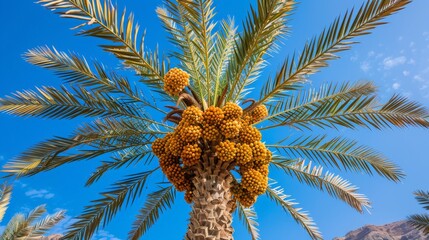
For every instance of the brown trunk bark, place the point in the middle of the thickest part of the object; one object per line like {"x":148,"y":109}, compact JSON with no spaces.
{"x":211,"y":215}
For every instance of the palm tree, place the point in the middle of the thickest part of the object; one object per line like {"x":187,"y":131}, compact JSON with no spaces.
{"x":24,"y":227}
{"x":421,"y":221}
{"x":207,"y":144}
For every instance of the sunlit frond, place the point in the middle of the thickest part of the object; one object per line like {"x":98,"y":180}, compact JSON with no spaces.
{"x":223,"y":53}
{"x":101,"y":137}
{"x":248,"y":217}
{"x":173,"y":19}
{"x":156,"y":203}
{"x":332,"y":40}
{"x":74,"y":69}
{"x":126,"y":157}
{"x":333,"y":184}
{"x":102,"y":19}
{"x":104,"y":209}
{"x":262,"y":27}
{"x":5,"y":196}
{"x":277,"y":195}
{"x":49,"y":102}
{"x":359,"y":111}
{"x":199,"y":18}
{"x":309,"y":101}
{"x":13,"y":227}
{"x":342,"y":154}
{"x":44,"y":225}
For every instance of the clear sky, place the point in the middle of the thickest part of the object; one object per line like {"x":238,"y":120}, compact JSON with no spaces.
{"x":395,"y":57}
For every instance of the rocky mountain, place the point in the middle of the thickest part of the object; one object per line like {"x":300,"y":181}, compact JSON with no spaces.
{"x":393,"y":231}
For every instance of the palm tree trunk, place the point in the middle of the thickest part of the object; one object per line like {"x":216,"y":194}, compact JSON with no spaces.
{"x":211,"y":215}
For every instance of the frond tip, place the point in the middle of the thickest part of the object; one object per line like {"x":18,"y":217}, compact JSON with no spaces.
{"x":277,"y":195}
{"x":248,"y":217}
{"x":341,"y":153}
{"x":156,"y":203}
{"x":5,"y":197}
{"x":333,"y":184}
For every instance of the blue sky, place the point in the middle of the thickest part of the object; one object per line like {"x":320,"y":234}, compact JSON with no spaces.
{"x":395,"y":57}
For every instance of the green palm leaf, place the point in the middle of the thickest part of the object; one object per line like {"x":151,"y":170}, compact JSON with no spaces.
{"x":199,"y":18}
{"x":342,"y":154}
{"x":76,"y":70}
{"x":62,"y":103}
{"x":276,"y":194}
{"x":332,"y":40}
{"x":104,"y":209}
{"x":223,"y":54}
{"x":104,"y":21}
{"x":173,"y":17}
{"x":309,"y":101}
{"x":248,"y":217}
{"x":359,"y":111}
{"x":420,"y":221}
{"x":101,"y":137}
{"x":44,"y":225}
{"x":6,"y":193}
{"x":423,"y":198}
{"x":127,"y":158}
{"x":262,"y":27}
{"x":13,"y":227}
{"x":156,"y":203}
{"x":334,"y":185}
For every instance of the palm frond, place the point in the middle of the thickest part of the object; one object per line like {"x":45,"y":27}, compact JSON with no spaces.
{"x":127,"y":158}
{"x":333,"y":184}
{"x":223,"y":53}
{"x":13,"y":227}
{"x":174,"y":21}
{"x":5,"y":196}
{"x":63,"y":103}
{"x":248,"y":217}
{"x":308,"y":101}
{"x":332,"y":40}
{"x":104,"y":209}
{"x":199,"y":18}
{"x":359,"y":111}
{"x":342,"y":154}
{"x":156,"y":203}
{"x":277,"y":195}
{"x":103,"y":20}
{"x":35,"y":214}
{"x":76,"y":70}
{"x":102,"y":137}
{"x":262,"y":27}
{"x":45,"y":224}
{"x":420,"y":221}
{"x":423,"y":198}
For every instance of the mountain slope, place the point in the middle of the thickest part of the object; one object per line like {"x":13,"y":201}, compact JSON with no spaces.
{"x":393,"y":231}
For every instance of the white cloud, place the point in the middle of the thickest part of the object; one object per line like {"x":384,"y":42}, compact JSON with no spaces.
{"x":405,"y":73}
{"x":418,"y":78}
{"x":104,"y":235}
{"x":42,"y":193}
{"x":396,"y":86}
{"x":391,"y":62}
{"x":365,"y":66}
